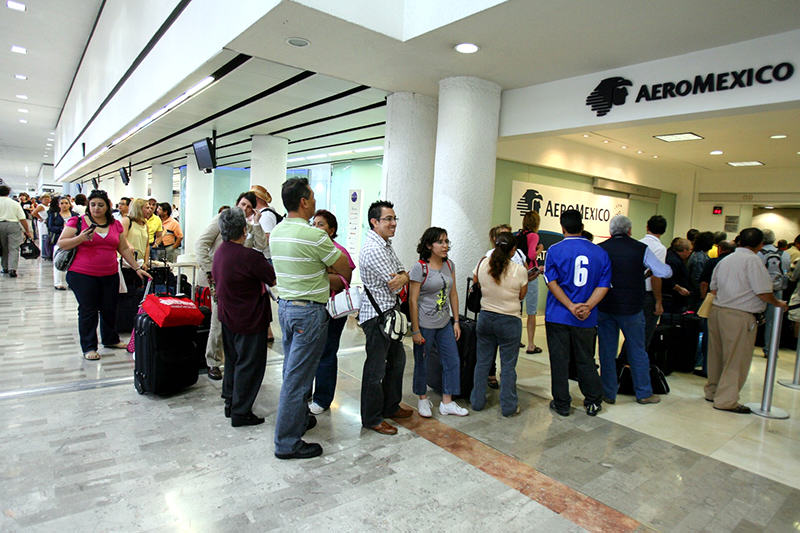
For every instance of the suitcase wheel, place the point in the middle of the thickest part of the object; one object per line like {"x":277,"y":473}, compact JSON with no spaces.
{"x":138,"y":383}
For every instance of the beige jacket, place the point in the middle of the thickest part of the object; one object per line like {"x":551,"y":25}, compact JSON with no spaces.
{"x":210,"y":239}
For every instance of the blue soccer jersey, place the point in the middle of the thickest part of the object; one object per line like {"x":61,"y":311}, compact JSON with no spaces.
{"x":578,"y":266}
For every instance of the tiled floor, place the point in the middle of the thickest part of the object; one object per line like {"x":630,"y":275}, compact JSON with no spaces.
{"x":83,"y":451}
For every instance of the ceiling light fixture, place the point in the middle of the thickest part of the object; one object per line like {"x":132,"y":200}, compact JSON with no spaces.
{"x":745,"y":163}
{"x":22,"y":96}
{"x":715,"y":152}
{"x":606,"y":141}
{"x":779,"y":136}
{"x":466,"y":48}
{"x":677,"y":137}
{"x":23,"y":121}
{"x":624,"y":147}
{"x":769,"y":207}
{"x":298,"y":42}
{"x":343,"y":152}
{"x":295,"y":159}
{"x":368,"y":149}
{"x":585,"y":135}
{"x":22,"y":110}
{"x":16,"y":6}
{"x":18,"y":49}
{"x":22,"y":77}
{"x":316,"y":156}
{"x":639,"y":151}
{"x":655,"y":157}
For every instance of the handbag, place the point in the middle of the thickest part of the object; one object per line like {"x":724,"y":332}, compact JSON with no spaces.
{"x":475,"y":294}
{"x":393,"y":323}
{"x":705,"y":307}
{"x":62,"y":259}
{"x":29,"y":250}
{"x":345,"y":302}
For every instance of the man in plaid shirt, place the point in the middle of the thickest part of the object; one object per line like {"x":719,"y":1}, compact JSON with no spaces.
{"x":384,"y":276}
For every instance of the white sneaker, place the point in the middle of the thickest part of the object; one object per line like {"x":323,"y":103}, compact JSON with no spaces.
{"x":424,"y":408}
{"x":452,"y":408}
{"x":315,"y":408}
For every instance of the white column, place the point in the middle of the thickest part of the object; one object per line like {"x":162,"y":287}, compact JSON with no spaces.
{"x":466,"y":153}
{"x":199,"y":209}
{"x":137,"y":186}
{"x":268,"y":166}
{"x":408,"y":162}
{"x":161,"y":183}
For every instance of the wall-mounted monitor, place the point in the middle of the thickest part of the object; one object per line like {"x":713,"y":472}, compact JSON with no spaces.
{"x":95,"y":184}
{"x":204,"y":153}
{"x":123,"y":173}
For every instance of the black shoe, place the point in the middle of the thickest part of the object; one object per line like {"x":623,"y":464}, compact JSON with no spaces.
{"x":559,"y":411}
{"x":249,"y":420}
{"x":311,"y":424}
{"x":609,"y":400}
{"x":307,"y":450}
{"x":12,"y":273}
{"x":227,"y":411}
{"x":493,"y":383}
{"x":214,"y":373}
{"x":699,"y":372}
{"x":4,"y":271}
{"x":592,"y":409}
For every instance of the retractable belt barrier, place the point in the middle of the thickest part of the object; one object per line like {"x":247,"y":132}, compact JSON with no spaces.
{"x":765,"y":408}
{"x":795,"y":383}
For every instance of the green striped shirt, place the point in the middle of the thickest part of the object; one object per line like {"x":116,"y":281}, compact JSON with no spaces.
{"x":300,"y":256}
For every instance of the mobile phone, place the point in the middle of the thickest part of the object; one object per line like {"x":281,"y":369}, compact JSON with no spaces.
{"x":533,"y":270}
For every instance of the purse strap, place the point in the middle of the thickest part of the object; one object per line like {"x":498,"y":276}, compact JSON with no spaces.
{"x":346,"y":285}
{"x":375,"y":304}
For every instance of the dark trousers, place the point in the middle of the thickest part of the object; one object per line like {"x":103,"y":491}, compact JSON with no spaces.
{"x":563,"y":341}
{"x":325,"y":379}
{"x":650,"y":323}
{"x":382,"y":379}
{"x":95,"y":294}
{"x":245,"y":361}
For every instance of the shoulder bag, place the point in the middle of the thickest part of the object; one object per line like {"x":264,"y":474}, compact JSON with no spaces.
{"x":345,"y":302}
{"x":393,"y":323}
{"x":62,"y":259}
{"x":475,"y":294}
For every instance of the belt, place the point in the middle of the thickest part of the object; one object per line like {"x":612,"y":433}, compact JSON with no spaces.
{"x":300,"y":302}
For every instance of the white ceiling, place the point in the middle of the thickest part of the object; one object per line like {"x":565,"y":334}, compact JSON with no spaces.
{"x":523,"y":42}
{"x":54,"y":33}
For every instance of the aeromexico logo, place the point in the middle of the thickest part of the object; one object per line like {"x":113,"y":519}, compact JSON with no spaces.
{"x":613,"y":91}
{"x":532,"y":200}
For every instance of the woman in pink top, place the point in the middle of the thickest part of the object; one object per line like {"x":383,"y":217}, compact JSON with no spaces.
{"x":325,"y":380}
{"x":93,"y":275}
{"x":530,"y":225}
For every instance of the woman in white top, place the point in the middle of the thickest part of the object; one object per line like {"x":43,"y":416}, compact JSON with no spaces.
{"x":503,"y":285}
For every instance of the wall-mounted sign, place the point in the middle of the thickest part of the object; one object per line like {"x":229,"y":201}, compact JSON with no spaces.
{"x":597,"y":210}
{"x":612,"y":91}
{"x":717,"y":210}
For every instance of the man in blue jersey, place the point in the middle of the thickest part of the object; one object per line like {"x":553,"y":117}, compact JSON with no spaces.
{"x":578,"y":275}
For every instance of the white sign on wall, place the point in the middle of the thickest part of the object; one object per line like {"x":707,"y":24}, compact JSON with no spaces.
{"x":354,"y":203}
{"x":597,"y":210}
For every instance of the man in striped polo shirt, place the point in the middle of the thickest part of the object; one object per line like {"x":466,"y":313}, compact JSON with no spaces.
{"x":301,"y":256}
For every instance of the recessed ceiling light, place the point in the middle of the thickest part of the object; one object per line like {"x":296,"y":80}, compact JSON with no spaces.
{"x":21,"y":76}
{"x":18,"y":49}
{"x":605,"y":141}
{"x":22,"y":96}
{"x":368,"y":149}
{"x":715,"y":152}
{"x":343,"y":152}
{"x":780,"y":136}
{"x":624,"y":147}
{"x":585,"y":135}
{"x":16,"y":6}
{"x":49,"y":144}
{"x":655,"y":157}
{"x":22,"y":110}
{"x":769,"y":207}
{"x":298,"y":42}
{"x":295,"y":159}
{"x":23,"y":121}
{"x":466,"y":48}
{"x":639,"y":151}
{"x":745,"y":163}
{"x":677,"y":137}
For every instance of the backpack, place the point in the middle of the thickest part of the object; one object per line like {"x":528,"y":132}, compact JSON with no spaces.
{"x":772,"y":260}
{"x":278,"y":217}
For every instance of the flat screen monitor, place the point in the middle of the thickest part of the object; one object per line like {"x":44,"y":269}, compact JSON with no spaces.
{"x":123,"y":173}
{"x":95,"y":184}
{"x":204,"y":153}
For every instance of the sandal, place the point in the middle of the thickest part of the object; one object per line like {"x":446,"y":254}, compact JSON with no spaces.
{"x":535,"y":350}
{"x":493,"y":383}
{"x":91,"y":355}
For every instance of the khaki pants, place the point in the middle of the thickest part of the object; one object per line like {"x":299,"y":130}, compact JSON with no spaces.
{"x":215,"y":356}
{"x":731,"y":338}
{"x":10,"y":239}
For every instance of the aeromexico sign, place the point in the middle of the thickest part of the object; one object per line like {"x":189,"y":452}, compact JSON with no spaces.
{"x":613,"y":91}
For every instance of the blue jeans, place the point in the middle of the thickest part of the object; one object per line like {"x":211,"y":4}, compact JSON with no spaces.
{"x":325,"y":380}
{"x":305,"y":328}
{"x":495,"y":331}
{"x":445,"y":341}
{"x":632,"y":326}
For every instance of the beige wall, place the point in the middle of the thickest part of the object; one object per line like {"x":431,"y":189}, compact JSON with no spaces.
{"x":784,"y":222}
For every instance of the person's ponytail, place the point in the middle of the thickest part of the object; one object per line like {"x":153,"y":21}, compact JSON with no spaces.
{"x":503,"y":249}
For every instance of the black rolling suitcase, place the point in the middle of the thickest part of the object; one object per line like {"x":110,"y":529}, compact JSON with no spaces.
{"x":660,"y":346}
{"x":467,"y":354}
{"x":127,"y":307}
{"x":165,"y":357}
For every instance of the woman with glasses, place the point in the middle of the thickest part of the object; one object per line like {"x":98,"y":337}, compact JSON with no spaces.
{"x":431,"y":297}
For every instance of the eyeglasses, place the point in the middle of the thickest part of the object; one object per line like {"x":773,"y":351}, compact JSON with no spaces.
{"x":445,"y":242}
{"x":389,"y":219}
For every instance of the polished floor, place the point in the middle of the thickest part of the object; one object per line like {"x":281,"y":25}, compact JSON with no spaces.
{"x":82,"y":450}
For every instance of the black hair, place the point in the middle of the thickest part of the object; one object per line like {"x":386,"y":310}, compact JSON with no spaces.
{"x":703,"y":242}
{"x":330,"y":219}
{"x":165,"y":207}
{"x":571,"y":221}
{"x":375,"y":210}
{"x":692,"y":234}
{"x":657,"y":224}
{"x":103,"y":196}
{"x":751,"y":237}
{"x":797,"y":239}
{"x":720,"y":236}
{"x":503,"y":249}
{"x":587,"y":235}
{"x":5,"y":190}
{"x":80,"y":199}
{"x":292,"y":191}
{"x":249,"y":196}
{"x":430,"y":236}
{"x":127,"y":200}
{"x":54,"y":201}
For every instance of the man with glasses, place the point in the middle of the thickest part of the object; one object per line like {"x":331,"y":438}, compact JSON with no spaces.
{"x":383,"y":276}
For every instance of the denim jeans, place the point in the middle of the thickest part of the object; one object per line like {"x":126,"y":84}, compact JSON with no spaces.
{"x":382,"y":378}
{"x":325,"y":380}
{"x":495,"y":331}
{"x":565,"y":343}
{"x":305,"y":329}
{"x":632,"y":326}
{"x":95,"y":294}
{"x":701,"y":358}
{"x":445,"y":341}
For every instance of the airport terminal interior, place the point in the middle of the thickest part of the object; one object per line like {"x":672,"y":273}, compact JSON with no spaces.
{"x":466,"y":115}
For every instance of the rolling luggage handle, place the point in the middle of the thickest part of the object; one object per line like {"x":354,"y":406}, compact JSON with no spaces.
{"x":795,"y":383}
{"x":765,"y":408}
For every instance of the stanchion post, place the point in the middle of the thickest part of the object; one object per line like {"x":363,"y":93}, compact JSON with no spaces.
{"x":795,"y":383}
{"x":765,"y":409}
